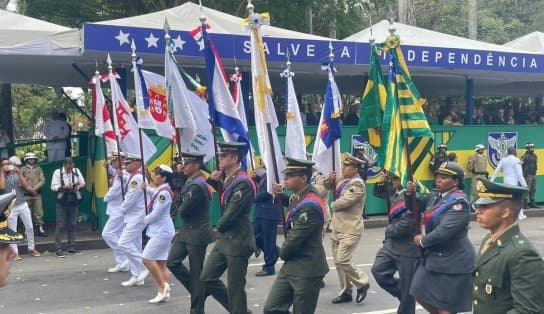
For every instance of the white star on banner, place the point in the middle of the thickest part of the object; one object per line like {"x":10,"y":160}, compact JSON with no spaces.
{"x":178,"y":42}
{"x":122,"y":38}
{"x":152,"y":41}
{"x":200,"y":44}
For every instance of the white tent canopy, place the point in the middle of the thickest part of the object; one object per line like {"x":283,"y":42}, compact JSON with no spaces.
{"x":22,"y":35}
{"x":417,"y":36}
{"x":533,"y":42}
{"x":186,"y":17}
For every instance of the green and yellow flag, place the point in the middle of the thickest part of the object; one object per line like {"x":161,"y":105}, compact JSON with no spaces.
{"x":406,"y":132}
{"x":373,"y":102}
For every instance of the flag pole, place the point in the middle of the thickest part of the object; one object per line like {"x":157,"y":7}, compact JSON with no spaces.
{"x":167,"y":39}
{"x":250,"y":8}
{"x":202,"y":19}
{"x":116,"y":130}
{"x":408,"y":158}
{"x":133,"y":56}
{"x":333,"y":150}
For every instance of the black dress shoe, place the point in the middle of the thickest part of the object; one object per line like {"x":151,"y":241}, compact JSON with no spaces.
{"x":257,"y":252}
{"x":263,"y":273}
{"x":361,"y":293}
{"x":343,"y":298}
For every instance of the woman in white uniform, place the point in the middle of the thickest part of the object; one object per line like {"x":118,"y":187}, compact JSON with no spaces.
{"x":160,"y":230}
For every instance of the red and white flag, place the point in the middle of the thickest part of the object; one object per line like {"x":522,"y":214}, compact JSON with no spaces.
{"x":102,"y":117}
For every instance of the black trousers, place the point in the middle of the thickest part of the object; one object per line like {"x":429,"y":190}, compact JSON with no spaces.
{"x":66,"y":221}
{"x":384,"y":268}
{"x":190,"y":278}
{"x":266,"y":231}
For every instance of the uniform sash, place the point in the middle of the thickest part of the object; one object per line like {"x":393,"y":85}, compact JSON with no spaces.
{"x":431,"y":216}
{"x":342,"y":185}
{"x":149,"y":208}
{"x":241,"y":176}
{"x":200,"y":181}
{"x":308,"y":199}
{"x":130,"y":178}
{"x":397,"y":209}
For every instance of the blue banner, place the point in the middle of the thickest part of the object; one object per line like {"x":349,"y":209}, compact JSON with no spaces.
{"x":151,"y":41}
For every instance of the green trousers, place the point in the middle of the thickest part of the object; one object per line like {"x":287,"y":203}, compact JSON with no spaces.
{"x":236,"y":267}
{"x":301,"y":292}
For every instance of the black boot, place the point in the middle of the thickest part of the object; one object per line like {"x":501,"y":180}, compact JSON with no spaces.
{"x":41,"y":231}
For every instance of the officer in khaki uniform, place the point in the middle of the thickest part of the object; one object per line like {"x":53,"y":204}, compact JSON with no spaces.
{"x":347,"y":226}
{"x":195,"y":233}
{"x":235,"y":241}
{"x":509,"y":272}
{"x":35,"y":180}
{"x":299,"y":280}
{"x":477,"y":165}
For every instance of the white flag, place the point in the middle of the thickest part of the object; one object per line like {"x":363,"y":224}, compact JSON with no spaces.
{"x":125,"y":124}
{"x":151,"y":102}
{"x":265,"y":116}
{"x":177,"y":91}
{"x":238,"y":98}
{"x":203,"y":141}
{"x":102,"y":119}
{"x":295,"y":145}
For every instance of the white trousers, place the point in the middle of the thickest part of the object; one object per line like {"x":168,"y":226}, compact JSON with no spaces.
{"x":111,"y":233}
{"x":130,"y":244}
{"x":22,"y":211}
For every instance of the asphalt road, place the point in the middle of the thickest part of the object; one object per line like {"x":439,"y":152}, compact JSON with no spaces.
{"x":80,"y":283}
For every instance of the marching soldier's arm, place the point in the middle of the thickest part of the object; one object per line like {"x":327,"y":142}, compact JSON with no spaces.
{"x":194,"y":198}
{"x":306,"y":223}
{"x":527,"y":282}
{"x":402,"y":226}
{"x":453,"y":221}
{"x":161,"y":205}
{"x":240,"y":198}
{"x":353,"y":194}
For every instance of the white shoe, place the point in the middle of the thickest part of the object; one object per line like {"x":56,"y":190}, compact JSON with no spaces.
{"x":124,"y":266}
{"x":143,"y":274}
{"x":115,"y":269}
{"x":160,"y":297}
{"x":133,"y":281}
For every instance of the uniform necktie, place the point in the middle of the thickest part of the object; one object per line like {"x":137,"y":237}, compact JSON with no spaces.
{"x":438,"y":198}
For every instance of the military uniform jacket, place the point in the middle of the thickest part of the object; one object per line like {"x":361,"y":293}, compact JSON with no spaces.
{"x":114,"y":196}
{"x":479,"y":164}
{"x":302,"y":250}
{"x":399,"y":234}
{"x":235,"y":234}
{"x":158,"y":221}
{"x":509,"y":276}
{"x":34,"y":178}
{"x":348,"y":206}
{"x":194,"y":210}
{"x":447,"y":249}
{"x":133,"y":207}
{"x":529,"y":163}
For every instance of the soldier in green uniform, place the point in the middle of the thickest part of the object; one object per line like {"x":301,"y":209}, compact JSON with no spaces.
{"x":300,"y":277}
{"x":195,"y":233}
{"x":235,"y":241}
{"x":529,"y":166}
{"x":509,"y":272}
{"x":439,"y":157}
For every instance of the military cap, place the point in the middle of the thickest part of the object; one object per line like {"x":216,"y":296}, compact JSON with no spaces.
{"x":116,"y":154}
{"x":529,"y":145}
{"x":492,"y":192}
{"x":451,"y":169}
{"x":349,"y":160}
{"x":297,"y":166}
{"x":164,"y":170}
{"x":30,"y":155}
{"x":231,"y":147}
{"x":6,"y":234}
{"x":478,"y":147}
{"x":192,"y":157}
{"x":130,"y":157}
{"x":443,"y":146}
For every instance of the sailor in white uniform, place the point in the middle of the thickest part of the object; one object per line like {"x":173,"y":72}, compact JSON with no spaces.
{"x":510,"y":165}
{"x":114,"y":197}
{"x":160,"y":230}
{"x":133,"y":210}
